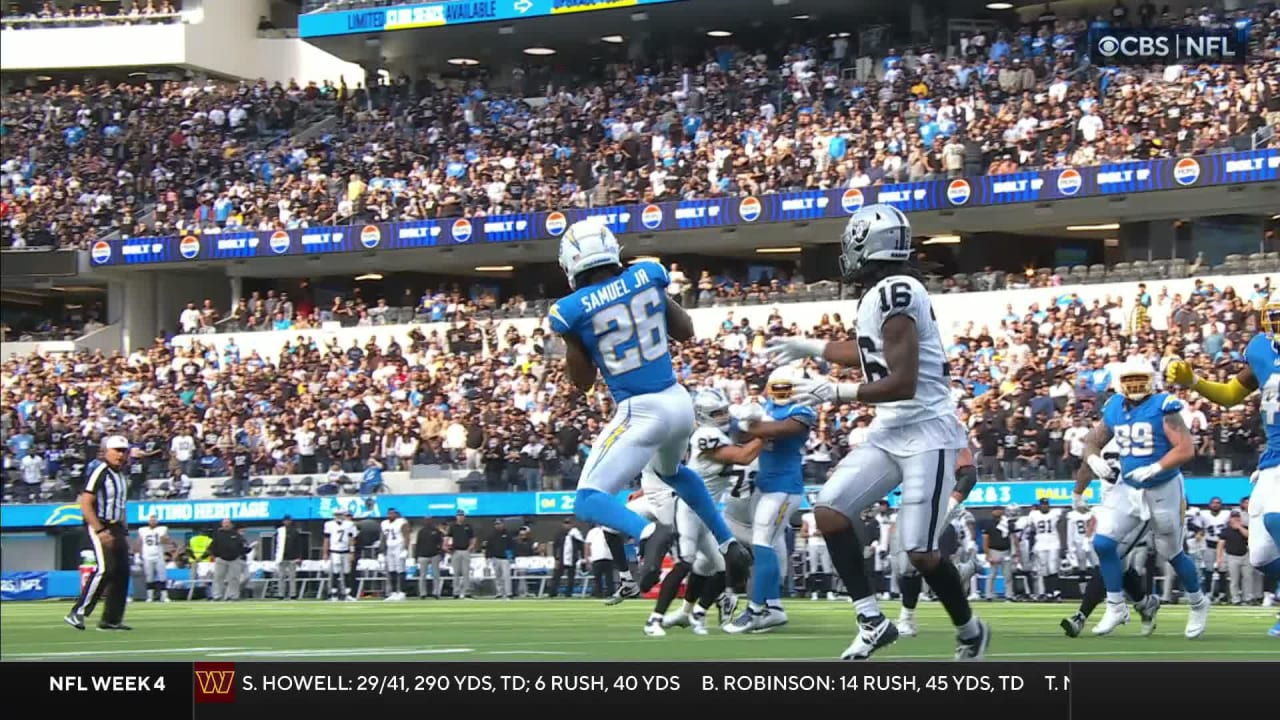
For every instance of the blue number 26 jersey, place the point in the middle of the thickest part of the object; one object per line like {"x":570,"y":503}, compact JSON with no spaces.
{"x":1264,"y":360}
{"x":1139,"y":434}
{"x":623,"y":324}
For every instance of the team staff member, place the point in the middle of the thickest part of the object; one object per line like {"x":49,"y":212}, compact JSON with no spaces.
{"x":500,"y":549}
{"x":103,"y":505}
{"x":462,"y":541}
{"x":429,"y":548}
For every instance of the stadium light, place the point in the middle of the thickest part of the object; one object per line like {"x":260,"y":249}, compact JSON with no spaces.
{"x":942,"y":240}
{"x":539,"y":51}
{"x":999,"y":6}
{"x":463,"y":61}
{"x":780,"y":250}
{"x":801,"y":16}
{"x":368,"y":276}
{"x":612,"y":39}
{"x":1090,"y":228}
{"x":719,"y":33}
{"x":495,"y":268}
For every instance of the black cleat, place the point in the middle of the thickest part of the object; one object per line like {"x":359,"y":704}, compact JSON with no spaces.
{"x":974,"y":648}
{"x":113,"y":627}
{"x":655,"y":549}
{"x":1073,"y":625}
{"x":75,"y":620}
{"x":625,"y":591}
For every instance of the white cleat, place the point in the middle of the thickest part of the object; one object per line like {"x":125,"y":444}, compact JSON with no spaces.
{"x":1197,"y":618}
{"x":350,"y":598}
{"x":771,"y":618}
{"x":1147,"y":610}
{"x":832,"y":597}
{"x":873,"y":634}
{"x":165,"y":597}
{"x":745,"y":622}
{"x":653,"y":628}
{"x":1117,"y":614}
{"x":974,"y":648}
{"x":699,"y":625}
{"x":679,"y":618}
{"x":907,"y":625}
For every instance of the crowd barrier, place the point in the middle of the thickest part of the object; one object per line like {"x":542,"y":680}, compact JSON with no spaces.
{"x":264,"y":510}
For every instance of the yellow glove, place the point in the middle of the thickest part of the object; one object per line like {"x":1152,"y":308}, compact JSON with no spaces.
{"x":1179,"y":372}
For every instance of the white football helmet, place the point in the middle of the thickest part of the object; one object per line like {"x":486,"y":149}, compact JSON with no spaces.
{"x":1135,"y":380}
{"x":711,"y":408}
{"x":781,"y":384}
{"x":588,"y":244}
{"x":874,"y":233}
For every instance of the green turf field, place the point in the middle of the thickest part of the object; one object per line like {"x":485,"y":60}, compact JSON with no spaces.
{"x":486,"y":629}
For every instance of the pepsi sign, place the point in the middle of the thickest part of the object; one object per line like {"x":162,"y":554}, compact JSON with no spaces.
{"x":651,"y":217}
{"x":556,"y":224}
{"x":852,"y":201}
{"x":100,"y":252}
{"x":1070,"y":182}
{"x":461,"y":230}
{"x":959,"y":191}
{"x":279,"y":242}
{"x":1186,"y":171}
{"x":750,"y":209}
{"x":189,"y":247}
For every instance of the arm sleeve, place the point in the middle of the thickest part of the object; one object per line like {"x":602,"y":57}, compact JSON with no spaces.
{"x":559,"y":318}
{"x":1225,"y":394}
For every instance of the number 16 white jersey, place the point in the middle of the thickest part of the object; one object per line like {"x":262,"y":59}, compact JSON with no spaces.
{"x":904,"y":295}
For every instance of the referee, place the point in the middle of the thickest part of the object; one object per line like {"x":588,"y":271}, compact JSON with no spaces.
{"x":102,"y":502}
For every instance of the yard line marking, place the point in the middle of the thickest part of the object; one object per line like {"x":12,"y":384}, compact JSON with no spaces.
{"x":527,"y":652}
{"x":52,"y":655}
{"x":343,"y":652}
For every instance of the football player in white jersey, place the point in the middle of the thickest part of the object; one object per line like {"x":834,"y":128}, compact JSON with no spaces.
{"x":153,"y":543}
{"x":395,"y":550}
{"x":1080,"y":524}
{"x":1139,"y":567}
{"x":713,"y":456}
{"x":819,"y":560}
{"x":339,"y":535}
{"x":1047,"y":548}
{"x":656,"y":503}
{"x":915,"y":436}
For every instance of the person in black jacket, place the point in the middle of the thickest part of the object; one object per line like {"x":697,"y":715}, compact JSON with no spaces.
{"x":429,"y":549}
{"x":227,"y":549}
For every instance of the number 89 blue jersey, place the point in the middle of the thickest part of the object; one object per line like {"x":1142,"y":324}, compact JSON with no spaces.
{"x":1264,"y":360}
{"x":1139,"y":434}
{"x":622,"y":322}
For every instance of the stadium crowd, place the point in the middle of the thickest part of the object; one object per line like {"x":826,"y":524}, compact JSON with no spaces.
{"x":485,"y":398}
{"x":799,"y":115}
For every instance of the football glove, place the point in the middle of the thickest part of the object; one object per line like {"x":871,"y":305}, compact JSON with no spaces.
{"x":1179,"y":372}
{"x":1146,"y":472}
{"x":1100,"y":467}
{"x":784,"y":351}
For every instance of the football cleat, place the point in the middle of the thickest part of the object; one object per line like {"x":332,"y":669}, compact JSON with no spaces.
{"x":75,"y":620}
{"x":699,"y":625}
{"x":744,"y":623}
{"x":1117,"y":614}
{"x":1197,"y":618}
{"x":1073,"y":625}
{"x":1275,"y":629}
{"x":975,"y":648}
{"x":653,"y":627}
{"x":873,"y":634}
{"x":725,"y":605}
{"x":679,"y":618}
{"x":1147,"y":610}
{"x":772,"y":617}
{"x":907,"y":623}
{"x":624,"y":592}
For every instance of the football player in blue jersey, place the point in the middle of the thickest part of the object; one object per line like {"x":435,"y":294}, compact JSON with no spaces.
{"x":1154,"y":443}
{"x":1262,"y":373}
{"x":784,"y":427}
{"x":619,"y":320}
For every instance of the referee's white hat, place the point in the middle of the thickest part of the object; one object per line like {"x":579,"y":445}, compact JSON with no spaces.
{"x":116,"y":442}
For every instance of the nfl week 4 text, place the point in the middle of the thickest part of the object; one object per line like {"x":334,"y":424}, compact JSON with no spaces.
{"x":387,"y":683}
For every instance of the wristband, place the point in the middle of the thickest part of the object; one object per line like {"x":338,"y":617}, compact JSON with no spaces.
{"x":847,"y":392}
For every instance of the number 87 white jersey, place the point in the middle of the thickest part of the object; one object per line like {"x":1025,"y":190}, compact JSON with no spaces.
{"x":904,"y":295}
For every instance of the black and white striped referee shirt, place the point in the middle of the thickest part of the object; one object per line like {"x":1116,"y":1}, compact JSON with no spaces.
{"x":110,"y":490}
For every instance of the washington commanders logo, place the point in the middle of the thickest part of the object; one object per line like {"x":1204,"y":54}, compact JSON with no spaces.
{"x":215,"y":682}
